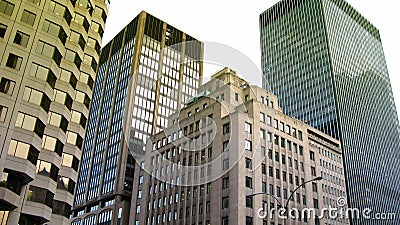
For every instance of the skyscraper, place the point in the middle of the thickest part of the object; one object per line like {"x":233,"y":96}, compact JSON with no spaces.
{"x":326,"y":64}
{"x":145,"y":73}
{"x":228,"y":143}
{"x":49,"y":53}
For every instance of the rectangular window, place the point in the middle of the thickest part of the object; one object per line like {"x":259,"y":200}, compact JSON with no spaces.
{"x":225,"y":146}
{"x":59,"y":9}
{"x":247,"y":145}
{"x":3,"y":29}
{"x":225,"y":202}
{"x":14,"y":61}
{"x":21,"y":39}
{"x":225,"y":182}
{"x":262,"y":117}
{"x":24,"y":151}
{"x":50,"y":51}
{"x":28,"y":17}
{"x":249,"y":182}
{"x":248,"y":163}
{"x":30,"y":123}
{"x":81,"y":20}
{"x":7,"y":86}
{"x":6,"y":7}
{"x":3,"y":113}
{"x":269,"y":120}
{"x":225,"y":128}
{"x":225,"y":164}
{"x":262,"y":134}
{"x":247,"y":127}
{"x":249,"y":220}
{"x":275,"y":123}
{"x":313,"y":171}
{"x":312,"y":155}
{"x":55,"y":30}
{"x":249,"y":202}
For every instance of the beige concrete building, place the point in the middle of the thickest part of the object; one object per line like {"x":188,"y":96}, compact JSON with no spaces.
{"x":229,"y":153}
{"x":49,"y":53}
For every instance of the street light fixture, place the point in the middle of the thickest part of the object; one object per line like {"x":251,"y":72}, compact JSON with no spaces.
{"x":288,"y":200}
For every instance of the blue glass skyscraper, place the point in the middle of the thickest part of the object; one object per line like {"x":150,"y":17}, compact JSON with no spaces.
{"x":326,"y":64}
{"x":148,"y":71}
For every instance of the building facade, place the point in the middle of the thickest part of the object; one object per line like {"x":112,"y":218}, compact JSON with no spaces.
{"x":145,"y":73}
{"x":326,"y":64}
{"x":227,"y":144}
{"x":48,"y":61}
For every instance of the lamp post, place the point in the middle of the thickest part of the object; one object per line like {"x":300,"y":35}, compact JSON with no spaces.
{"x":286,"y":207}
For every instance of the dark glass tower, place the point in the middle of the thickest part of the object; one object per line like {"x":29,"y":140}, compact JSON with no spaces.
{"x":326,"y":64}
{"x":148,"y":71}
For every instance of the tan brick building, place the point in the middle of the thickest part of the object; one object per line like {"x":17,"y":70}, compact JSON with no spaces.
{"x":49,"y":54}
{"x":231,"y":142}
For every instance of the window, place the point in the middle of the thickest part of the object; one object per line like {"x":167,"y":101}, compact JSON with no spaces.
{"x":225,"y":128}
{"x":68,"y":77}
{"x":23,"y":150}
{"x":236,"y":97}
{"x":281,"y":126}
{"x":6,"y":7}
{"x":248,"y":163}
{"x":3,"y":29}
{"x":271,"y":189}
{"x":247,"y":145}
{"x":14,"y":61}
{"x":225,"y":202}
{"x":247,"y":127}
{"x":55,"y":30}
{"x":52,"y":144}
{"x":225,"y":164}
{"x":28,"y":17}
{"x":81,"y":20}
{"x":249,"y":202}
{"x":225,"y":146}
{"x":300,"y":135}
{"x":50,"y":51}
{"x":6,"y":86}
{"x":36,"y":97}
{"x":40,"y":195}
{"x":249,"y":220}
{"x":59,"y":9}
{"x":269,"y":120}
{"x":21,"y":39}
{"x":275,"y":123}
{"x":36,"y":2}
{"x":262,"y":117}
{"x":294,"y":132}
{"x":225,"y":220}
{"x":313,"y":171}
{"x":263,"y":168}
{"x":58,"y":120}
{"x":30,"y":123}
{"x":70,"y":161}
{"x":47,"y":169}
{"x":73,"y":57}
{"x":312,"y":155}
{"x":3,"y":113}
{"x":262,"y":134}
{"x":43,"y":73}
{"x":249,"y":182}
{"x":63,"y":98}
{"x":65,"y":183}
{"x":271,"y":171}
{"x":287,"y":129}
{"x":314,"y":187}
{"x":225,"y":182}
{"x":97,"y":28}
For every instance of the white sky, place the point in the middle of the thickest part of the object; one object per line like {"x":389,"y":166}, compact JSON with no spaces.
{"x":235,"y":23}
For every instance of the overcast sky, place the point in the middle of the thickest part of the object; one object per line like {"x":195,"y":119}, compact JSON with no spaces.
{"x":235,"y":23}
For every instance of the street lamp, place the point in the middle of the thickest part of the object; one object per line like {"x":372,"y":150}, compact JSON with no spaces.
{"x":286,"y":208}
